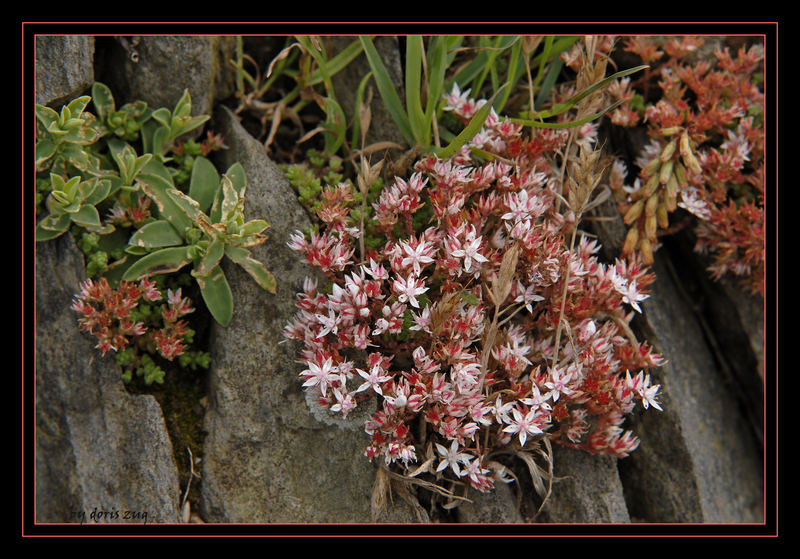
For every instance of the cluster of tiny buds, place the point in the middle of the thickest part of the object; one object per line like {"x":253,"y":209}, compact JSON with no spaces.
{"x":107,"y":314}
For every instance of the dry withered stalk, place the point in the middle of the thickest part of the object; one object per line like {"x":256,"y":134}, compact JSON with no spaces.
{"x":585,"y":170}
{"x":367,"y":174}
{"x":529,"y":45}
{"x":498,"y":292}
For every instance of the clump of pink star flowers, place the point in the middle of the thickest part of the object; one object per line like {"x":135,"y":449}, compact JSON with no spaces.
{"x":486,"y":328}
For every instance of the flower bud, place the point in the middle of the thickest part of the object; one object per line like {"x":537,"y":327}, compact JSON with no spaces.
{"x":680,"y":174}
{"x":646,"y":250}
{"x":670,"y":130}
{"x":651,"y":168}
{"x":666,"y":172}
{"x":662,"y":215}
{"x":633,"y":212}
{"x":691,"y":162}
{"x":685,"y":147}
{"x":650,"y":205}
{"x":631,"y":240}
{"x":671,"y":194}
{"x":650,"y":227}
{"x":650,"y":187}
{"x":669,"y":149}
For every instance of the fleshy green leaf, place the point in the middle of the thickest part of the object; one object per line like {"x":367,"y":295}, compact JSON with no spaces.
{"x":217,"y":295}
{"x":162,"y":116}
{"x":255,"y":268}
{"x":52,"y":226}
{"x":46,"y":116}
{"x":77,"y":106}
{"x":125,"y":157}
{"x":70,"y":188}
{"x":87,"y":216}
{"x":99,"y":193}
{"x":164,"y":261}
{"x":210,"y":260}
{"x":103,"y":100}
{"x":157,"y":168}
{"x":230,"y":200}
{"x":184,"y":125}
{"x":155,"y":185}
{"x":188,"y":205}
{"x":238,"y":178}
{"x":156,"y":234}
{"x":184,"y":105}
{"x":45,"y":148}
{"x":204,"y":183}
{"x":253,"y":227}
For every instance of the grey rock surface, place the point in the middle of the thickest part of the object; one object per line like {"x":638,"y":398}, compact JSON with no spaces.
{"x":382,"y":126}
{"x":587,"y":488}
{"x":166,"y":65}
{"x":98,"y":448}
{"x":267,"y":458}
{"x":698,"y":460}
{"x":496,"y":507}
{"x":64,"y":68}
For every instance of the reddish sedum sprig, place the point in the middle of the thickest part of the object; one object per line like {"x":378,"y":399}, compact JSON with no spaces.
{"x":170,"y":339}
{"x":451,"y":327}
{"x":108,"y":313}
{"x":130,"y":211}
{"x":706,"y":157}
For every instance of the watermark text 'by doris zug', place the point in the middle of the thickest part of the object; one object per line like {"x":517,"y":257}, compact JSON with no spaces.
{"x":100,"y":514}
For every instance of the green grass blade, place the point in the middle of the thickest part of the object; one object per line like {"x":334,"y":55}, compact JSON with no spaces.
{"x":558,"y":47}
{"x":515,"y":71}
{"x":570,"y":124}
{"x":548,"y":45}
{"x":491,"y":54}
{"x":569,"y":103}
{"x":437,"y":67}
{"x":335,"y":124}
{"x":416,"y":118}
{"x":338,"y":62}
{"x":549,"y":81}
{"x":362,"y":86}
{"x":322,"y":63}
{"x":387,"y":89}
{"x":496,"y":49}
{"x":466,"y":75}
